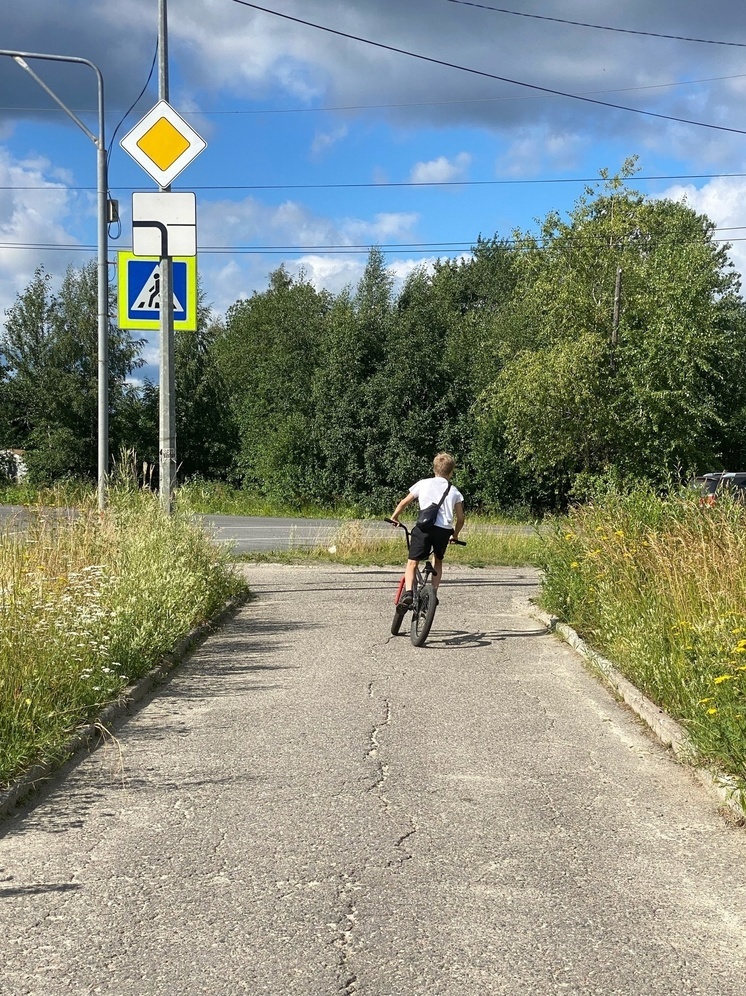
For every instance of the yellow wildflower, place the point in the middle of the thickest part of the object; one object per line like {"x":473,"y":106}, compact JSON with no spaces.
{"x":711,"y":712}
{"x":722,"y":677}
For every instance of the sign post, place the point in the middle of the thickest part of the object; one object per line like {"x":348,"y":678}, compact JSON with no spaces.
{"x":164,"y":144}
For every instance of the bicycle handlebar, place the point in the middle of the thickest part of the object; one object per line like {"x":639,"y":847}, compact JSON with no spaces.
{"x":394,"y":522}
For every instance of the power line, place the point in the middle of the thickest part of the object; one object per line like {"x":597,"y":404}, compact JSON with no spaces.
{"x":598,"y":27}
{"x":341,"y":249}
{"x":209,"y":112}
{"x":407,"y":183}
{"x":493,"y":76}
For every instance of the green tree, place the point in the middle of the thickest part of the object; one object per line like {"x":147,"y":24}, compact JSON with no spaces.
{"x":50,"y":350}
{"x":351,"y":428}
{"x":579,"y":394}
{"x":267,"y":358}
{"x":206,"y":435}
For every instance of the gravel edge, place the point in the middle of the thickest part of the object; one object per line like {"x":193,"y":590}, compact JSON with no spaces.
{"x":670,"y":733}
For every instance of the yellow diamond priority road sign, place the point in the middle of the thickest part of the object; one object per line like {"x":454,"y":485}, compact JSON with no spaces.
{"x":163,"y":143}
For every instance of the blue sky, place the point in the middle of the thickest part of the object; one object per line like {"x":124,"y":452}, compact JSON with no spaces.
{"x":317,"y":140}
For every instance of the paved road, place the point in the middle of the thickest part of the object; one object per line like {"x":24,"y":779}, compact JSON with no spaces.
{"x":310,"y":807}
{"x":253,"y":534}
{"x":246,"y":534}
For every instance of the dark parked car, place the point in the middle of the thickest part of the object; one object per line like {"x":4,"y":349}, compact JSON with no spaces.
{"x":711,"y":485}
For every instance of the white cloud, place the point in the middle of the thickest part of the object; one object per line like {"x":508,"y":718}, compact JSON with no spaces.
{"x":323,"y":141}
{"x":249,"y":222}
{"x":332,"y":273}
{"x":441,"y":170}
{"x":722,"y":200}
{"x":539,"y":149}
{"x":34,"y":210}
{"x":386,"y":226}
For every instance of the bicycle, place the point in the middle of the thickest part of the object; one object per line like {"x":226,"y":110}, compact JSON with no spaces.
{"x":424,"y":597}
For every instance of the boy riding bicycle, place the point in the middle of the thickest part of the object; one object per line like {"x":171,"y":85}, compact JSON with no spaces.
{"x":448,"y":524}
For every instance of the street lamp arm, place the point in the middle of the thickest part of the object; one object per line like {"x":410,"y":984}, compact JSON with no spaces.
{"x":20,"y":57}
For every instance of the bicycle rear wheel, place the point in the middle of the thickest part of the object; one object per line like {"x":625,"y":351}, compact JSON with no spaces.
{"x":423,"y":615}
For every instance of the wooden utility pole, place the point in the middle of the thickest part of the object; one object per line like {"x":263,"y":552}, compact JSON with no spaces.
{"x":615,"y":317}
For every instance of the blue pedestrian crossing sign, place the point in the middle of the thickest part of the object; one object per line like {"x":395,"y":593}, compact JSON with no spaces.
{"x":139,"y":289}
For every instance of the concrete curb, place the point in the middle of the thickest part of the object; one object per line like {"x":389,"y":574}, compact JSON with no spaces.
{"x":90,"y":736}
{"x":666,"y":729}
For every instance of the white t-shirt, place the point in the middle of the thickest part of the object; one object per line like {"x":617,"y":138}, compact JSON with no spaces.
{"x":430,"y":490}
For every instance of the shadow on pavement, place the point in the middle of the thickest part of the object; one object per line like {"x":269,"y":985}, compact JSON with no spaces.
{"x":463,"y":640}
{"x":37,"y":890}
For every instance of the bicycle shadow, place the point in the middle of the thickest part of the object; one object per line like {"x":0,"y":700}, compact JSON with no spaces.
{"x":459,"y":639}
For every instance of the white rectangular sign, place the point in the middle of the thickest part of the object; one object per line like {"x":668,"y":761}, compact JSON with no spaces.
{"x":164,"y":224}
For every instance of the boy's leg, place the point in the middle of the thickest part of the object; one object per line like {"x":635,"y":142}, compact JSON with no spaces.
{"x":420,"y":545}
{"x":440,"y":545}
{"x":409,"y":574}
{"x":406,"y":595}
{"x":437,"y":571}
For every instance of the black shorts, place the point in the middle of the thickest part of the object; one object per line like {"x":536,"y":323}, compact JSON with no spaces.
{"x":422,"y":544}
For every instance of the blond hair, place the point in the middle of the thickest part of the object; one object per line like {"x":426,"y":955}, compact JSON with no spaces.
{"x":444,"y":464}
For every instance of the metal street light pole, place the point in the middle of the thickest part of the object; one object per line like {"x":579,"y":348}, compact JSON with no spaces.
{"x":103,"y":273}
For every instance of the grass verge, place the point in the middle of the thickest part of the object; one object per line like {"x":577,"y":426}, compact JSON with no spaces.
{"x":367,"y":544}
{"x":88,"y":605}
{"x":659,"y":586}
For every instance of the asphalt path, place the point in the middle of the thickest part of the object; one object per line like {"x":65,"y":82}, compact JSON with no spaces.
{"x":311,"y":807}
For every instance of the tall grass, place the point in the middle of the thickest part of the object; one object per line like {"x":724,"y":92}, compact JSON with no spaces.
{"x":65,"y":493}
{"x":88,"y":604}
{"x":659,"y":586}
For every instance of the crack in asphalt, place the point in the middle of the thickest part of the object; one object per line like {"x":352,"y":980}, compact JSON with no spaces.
{"x":345,"y":941}
{"x":373,"y":752}
{"x":404,"y":853}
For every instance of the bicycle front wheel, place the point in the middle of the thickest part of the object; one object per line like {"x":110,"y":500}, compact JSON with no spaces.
{"x":399,"y":613}
{"x":423,"y":615}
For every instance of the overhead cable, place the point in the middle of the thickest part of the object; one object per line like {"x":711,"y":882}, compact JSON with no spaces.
{"x":526,"y":181}
{"x":492,"y":76}
{"x":598,"y":27}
